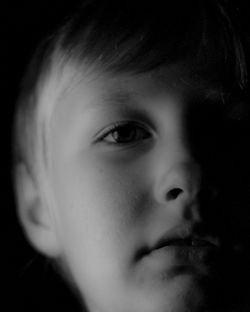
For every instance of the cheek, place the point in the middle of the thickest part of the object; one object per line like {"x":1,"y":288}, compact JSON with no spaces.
{"x":102,"y":216}
{"x":98,"y":200}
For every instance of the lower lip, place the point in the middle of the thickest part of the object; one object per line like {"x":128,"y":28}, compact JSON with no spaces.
{"x":190,"y":257}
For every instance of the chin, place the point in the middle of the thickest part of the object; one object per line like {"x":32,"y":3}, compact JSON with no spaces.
{"x":182,"y":294}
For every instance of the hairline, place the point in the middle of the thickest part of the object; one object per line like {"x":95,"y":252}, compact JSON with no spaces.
{"x":53,"y":79}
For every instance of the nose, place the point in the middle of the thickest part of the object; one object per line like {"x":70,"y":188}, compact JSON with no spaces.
{"x":179,"y":189}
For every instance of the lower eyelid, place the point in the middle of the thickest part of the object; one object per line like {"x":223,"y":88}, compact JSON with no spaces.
{"x":118,"y":125}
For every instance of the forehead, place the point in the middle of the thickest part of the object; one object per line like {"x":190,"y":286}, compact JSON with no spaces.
{"x":90,"y":101}
{"x":100,"y":90}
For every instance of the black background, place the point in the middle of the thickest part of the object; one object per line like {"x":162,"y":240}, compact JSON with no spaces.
{"x":27,"y":281}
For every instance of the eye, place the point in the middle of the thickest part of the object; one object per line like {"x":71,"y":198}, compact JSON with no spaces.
{"x":124,"y":133}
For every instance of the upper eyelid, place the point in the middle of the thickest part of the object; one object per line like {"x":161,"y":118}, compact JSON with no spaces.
{"x":113,"y":126}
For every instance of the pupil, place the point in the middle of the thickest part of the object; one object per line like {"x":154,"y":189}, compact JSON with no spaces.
{"x":124,"y":134}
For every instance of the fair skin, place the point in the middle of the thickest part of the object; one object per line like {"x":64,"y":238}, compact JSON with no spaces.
{"x":114,"y":200}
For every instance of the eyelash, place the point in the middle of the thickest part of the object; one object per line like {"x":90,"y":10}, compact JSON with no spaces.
{"x":127,"y":126}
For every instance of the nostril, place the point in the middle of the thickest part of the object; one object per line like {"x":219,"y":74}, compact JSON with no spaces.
{"x":174,"y":193}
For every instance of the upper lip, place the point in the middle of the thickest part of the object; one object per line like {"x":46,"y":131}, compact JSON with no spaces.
{"x":185,"y":237}
{"x":180,"y":236}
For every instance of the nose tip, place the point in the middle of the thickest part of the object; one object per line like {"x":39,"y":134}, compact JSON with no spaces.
{"x":182,"y":190}
{"x":183,"y":181}
{"x":180,"y":186}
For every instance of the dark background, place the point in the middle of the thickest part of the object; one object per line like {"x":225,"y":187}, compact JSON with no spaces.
{"x":28,"y":282}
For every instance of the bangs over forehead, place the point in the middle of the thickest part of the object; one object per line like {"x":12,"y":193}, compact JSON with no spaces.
{"x":139,"y":36}
{"x":129,"y":36}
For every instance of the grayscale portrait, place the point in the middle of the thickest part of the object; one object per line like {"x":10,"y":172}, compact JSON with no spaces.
{"x":131,"y":158}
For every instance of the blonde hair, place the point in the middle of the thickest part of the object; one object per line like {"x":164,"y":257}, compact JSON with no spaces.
{"x":120,"y":37}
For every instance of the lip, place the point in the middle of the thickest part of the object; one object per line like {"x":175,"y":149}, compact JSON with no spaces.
{"x":185,"y":237}
{"x":183,"y":248}
{"x":189,"y":241}
{"x":180,"y":238}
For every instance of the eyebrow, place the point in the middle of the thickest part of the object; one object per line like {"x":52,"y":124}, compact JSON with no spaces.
{"x":119,"y":98}
{"x":123,"y":100}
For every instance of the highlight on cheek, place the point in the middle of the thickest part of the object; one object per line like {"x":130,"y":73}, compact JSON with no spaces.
{"x":125,"y":132}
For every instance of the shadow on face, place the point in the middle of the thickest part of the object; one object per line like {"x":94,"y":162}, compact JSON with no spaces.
{"x":219,"y":138}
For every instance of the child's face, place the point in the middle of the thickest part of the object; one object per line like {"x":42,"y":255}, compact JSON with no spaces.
{"x":126,"y":168}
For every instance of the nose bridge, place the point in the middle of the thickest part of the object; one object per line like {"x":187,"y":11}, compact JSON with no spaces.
{"x":179,"y":172}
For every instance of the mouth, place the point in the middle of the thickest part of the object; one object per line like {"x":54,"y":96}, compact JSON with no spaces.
{"x":189,"y":241}
{"x":185,"y":236}
{"x":181,"y":241}
{"x":192,"y":253}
